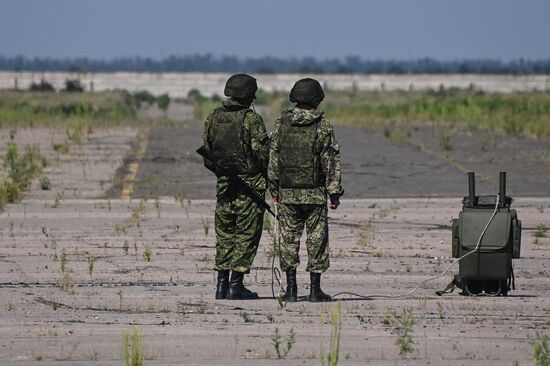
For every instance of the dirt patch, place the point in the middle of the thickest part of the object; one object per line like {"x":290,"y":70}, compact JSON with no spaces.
{"x":152,"y":259}
{"x":171,"y":296}
{"x":85,"y":169}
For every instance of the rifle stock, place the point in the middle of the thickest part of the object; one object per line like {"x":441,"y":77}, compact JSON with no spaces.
{"x":234,"y":179}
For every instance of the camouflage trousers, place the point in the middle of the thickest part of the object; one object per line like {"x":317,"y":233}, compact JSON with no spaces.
{"x":292,"y":218}
{"x":239,"y":223}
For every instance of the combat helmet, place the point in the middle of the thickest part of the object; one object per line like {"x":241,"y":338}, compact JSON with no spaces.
{"x":307,"y":91}
{"x":241,"y":86}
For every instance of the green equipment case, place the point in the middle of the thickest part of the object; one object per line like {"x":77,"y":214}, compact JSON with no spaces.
{"x":488,"y":270}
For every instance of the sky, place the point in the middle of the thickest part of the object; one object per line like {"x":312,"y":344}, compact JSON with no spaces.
{"x":381,"y":29}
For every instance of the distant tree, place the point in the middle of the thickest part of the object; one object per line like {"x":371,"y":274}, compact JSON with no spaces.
{"x":209,"y":63}
{"x":143,"y":96}
{"x":42,"y":86}
{"x":163,"y":101}
{"x":73,"y":86}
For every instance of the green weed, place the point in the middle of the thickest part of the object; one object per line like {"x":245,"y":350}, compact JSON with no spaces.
{"x":147,"y":254}
{"x":66,"y":283}
{"x":403,"y":324}
{"x":276,"y":341}
{"x":180,"y":197}
{"x":205,"y":225}
{"x":62,"y":147}
{"x":281,"y":301}
{"x":157,"y":206}
{"x":20,"y":169}
{"x":163,"y":101}
{"x":445,"y":142}
{"x":132,"y":347}
{"x":540,"y":231}
{"x":331,"y":357}
{"x":440,"y":311}
{"x":63,"y":261}
{"x":246,"y":317}
{"x":57,"y":200}
{"x":366,"y":233}
{"x":91,"y":262}
{"x":541,"y":349}
{"x":45,"y":183}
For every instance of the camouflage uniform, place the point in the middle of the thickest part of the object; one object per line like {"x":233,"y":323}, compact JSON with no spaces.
{"x":238,"y":220}
{"x":299,"y":206}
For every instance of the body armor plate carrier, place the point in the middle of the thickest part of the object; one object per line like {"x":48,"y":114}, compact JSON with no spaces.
{"x":299,"y":165}
{"x":228,"y":145}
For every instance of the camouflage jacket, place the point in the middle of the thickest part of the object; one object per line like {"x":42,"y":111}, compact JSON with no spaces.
{"x":329,"y":152}
{"x":255,"y":136}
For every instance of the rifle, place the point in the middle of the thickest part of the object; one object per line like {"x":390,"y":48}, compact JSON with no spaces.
{"x":234,"y":179}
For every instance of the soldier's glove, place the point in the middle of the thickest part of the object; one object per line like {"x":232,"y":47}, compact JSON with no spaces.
{"x":334,"y":201}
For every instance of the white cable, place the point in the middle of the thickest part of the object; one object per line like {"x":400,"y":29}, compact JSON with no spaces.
{"x":275,"y":273}
{"x":435,"y":277}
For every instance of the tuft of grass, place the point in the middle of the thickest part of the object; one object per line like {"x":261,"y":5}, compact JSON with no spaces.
{"x":91,"y":262}
{"x":331,"y":357}
{"x":445,"y":142}
{"x":20,"y":169}
{"x":440,"y":311}
{"x":541,"y":349}
{"x":54,"y":304}
{"x":277,"y":341}
{"x":205,"y":225}
{"x":61,"y":147}
{"x":9,"y":192}
{"x":157,"y":206}
{"x":366,"y":233}
{"x":57,"y":200}
{"x":180,"y":197}
{"x":403,"y":324}
{"x":91,"y":355}
{"x":540,"y":231}
{"x":147,"y":254}
{"x":163,"y":101}
{"x":132,"y":347}
{"x":246,"y":317}
{"x":63,"y":261}
{"x":66,"y":283}
{"x":45,"y":183}
{"x":281,"y":301}
{"x":202,"y":106}
{"x":389,"y":317}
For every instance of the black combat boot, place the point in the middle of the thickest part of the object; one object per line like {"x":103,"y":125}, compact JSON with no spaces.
{"x":237,"y":291}
{"x":291,"y":294}
{"x":223,"y":285}
{"x":315,"y":293}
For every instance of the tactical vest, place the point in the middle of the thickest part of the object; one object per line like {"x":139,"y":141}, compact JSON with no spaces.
{"x":299,"y":165}
{"x":228,"y":145}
